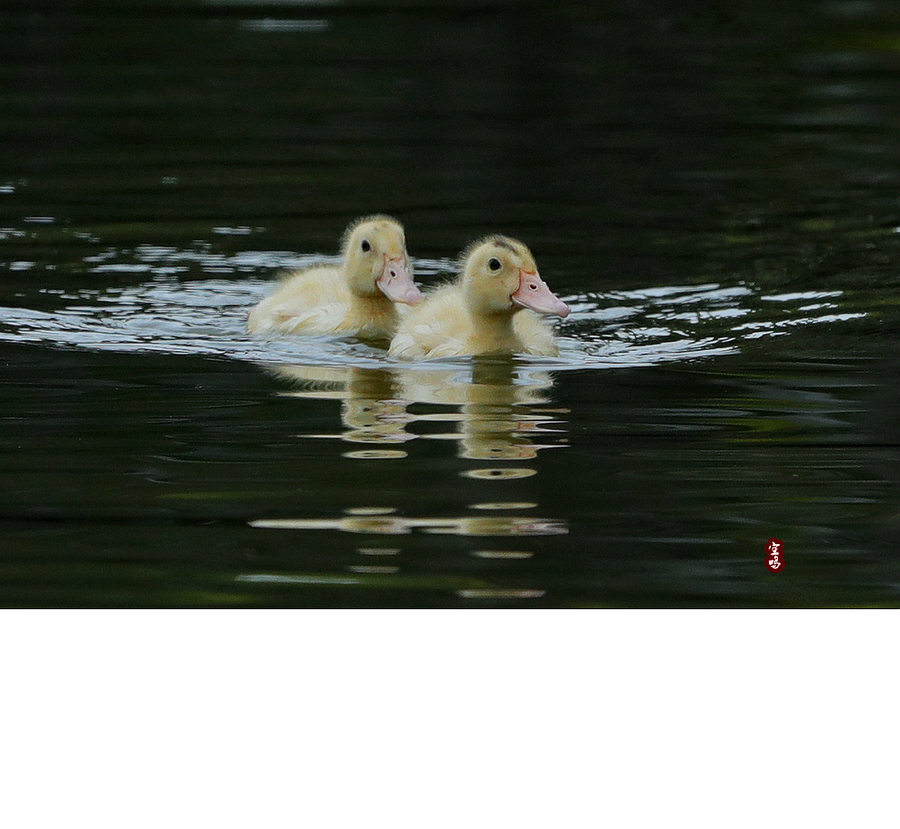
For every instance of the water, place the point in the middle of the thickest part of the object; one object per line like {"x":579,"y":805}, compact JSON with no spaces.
{"x":714,"y":192}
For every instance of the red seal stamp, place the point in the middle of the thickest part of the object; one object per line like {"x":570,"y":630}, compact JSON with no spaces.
{"x":774,"y":555}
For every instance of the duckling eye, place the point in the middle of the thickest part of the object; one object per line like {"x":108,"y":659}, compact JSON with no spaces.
{"x":494,"y":264}
{"x":366,"y":246}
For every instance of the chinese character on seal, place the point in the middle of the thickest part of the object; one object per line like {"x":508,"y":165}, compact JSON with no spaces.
{"x":774,"y":555}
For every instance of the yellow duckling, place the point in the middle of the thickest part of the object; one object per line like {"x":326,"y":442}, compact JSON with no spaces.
{"x":354,"y":298}
{"x":484,"y":312}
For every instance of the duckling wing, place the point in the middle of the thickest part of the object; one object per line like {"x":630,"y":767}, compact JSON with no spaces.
{"x":325,"y":319}
{"x":313,"y":301}
{"x":436,"y":328}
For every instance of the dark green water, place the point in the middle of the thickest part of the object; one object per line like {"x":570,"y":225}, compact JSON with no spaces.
{"x":716,"y":192}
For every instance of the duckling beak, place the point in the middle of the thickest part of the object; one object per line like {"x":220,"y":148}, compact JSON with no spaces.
{"x":396,"y":282}
{"x":533,"y":293}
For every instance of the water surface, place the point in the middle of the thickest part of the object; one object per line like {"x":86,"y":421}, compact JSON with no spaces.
{"x":713,"y":192}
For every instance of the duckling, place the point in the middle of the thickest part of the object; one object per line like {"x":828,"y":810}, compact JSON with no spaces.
{"x":355,"y":298}
{"x":487,"y":310}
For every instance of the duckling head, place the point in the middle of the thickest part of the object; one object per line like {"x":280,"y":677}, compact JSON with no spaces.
{"x":500,"y":276}
{"x":376,"y":261}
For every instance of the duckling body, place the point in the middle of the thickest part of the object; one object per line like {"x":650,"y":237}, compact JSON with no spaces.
{"x":489,"y":310}
{"x":318,"y":301}
{"x":356,"y":298}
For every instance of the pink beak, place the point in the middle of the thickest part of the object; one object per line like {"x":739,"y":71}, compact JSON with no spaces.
{"x":533,"y":293}
{"x":396,"y":282}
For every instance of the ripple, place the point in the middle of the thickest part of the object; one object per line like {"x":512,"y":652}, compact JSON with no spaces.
{"x":272,"y":25}
{"x":279,"y":578}
{"x":396,"y":525}
{"x":172,"y":313}
{"x":500,"y":594}
{"x":503,"y":554}
{"x":375,"y":454}
{"x":505,"y":505}
{"x":370,"y":510}
{"x":498,"y":474}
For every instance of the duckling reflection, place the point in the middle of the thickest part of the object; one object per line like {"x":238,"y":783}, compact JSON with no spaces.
{"x":495,"y":421}
{"x":371,"y":411}
{"x":495,"y":400}
{"x":495,"y":411}
{"x":500,"y":525}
